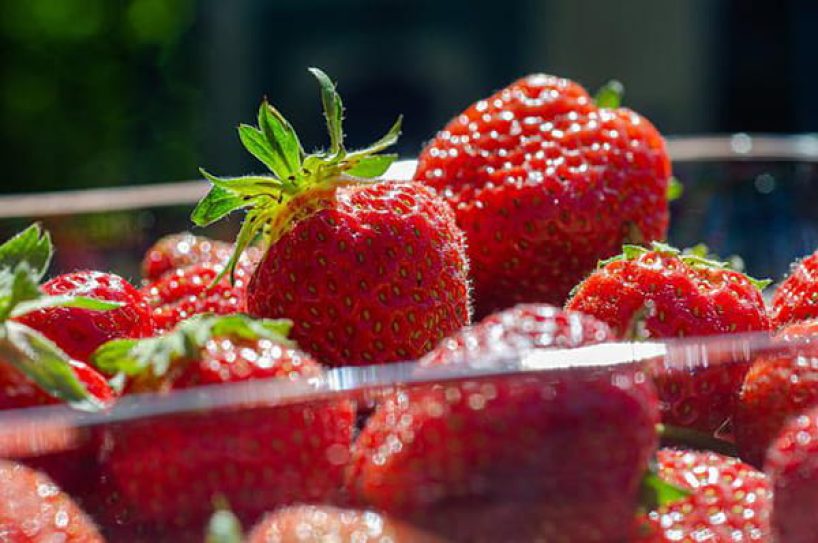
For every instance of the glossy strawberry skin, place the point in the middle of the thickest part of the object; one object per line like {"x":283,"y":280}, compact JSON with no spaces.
{"x":186,"y":291}
{"x":679,"y":300}
{"x":792,"y":465}
{"x":728,"y":501}
{"x":370,"y":274}
{"x":182,"y":250}
{"x":545,"y":184}
{"x":325,"y":523}
{"x":779,"y":385}
{"x":79,"y":332}
{"x":796,"y":298}
{"x":33,"y":509}
{"x":509,"y":446}
{"x":164,"y":471}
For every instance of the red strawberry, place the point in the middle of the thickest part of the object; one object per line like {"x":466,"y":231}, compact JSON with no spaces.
{"x":779,"y":385}
{"x":187,"y":291}
{"x":166,"y":470}
{"x":80,"y":331}
{"x":182,"y":250}
{"x":728,"y":501}
{"x":317,"y":523}
{"x":555,"y":456}
{"x":369,"y":271}
{"x":796,"y":298}
{"x":678,"y":295}
{"x":34,"y":510}
{"x":545,"y":182}
{"x":792,"y":465}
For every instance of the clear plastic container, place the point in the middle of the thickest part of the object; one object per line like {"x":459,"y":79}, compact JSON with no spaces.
{"x":152,"y":468}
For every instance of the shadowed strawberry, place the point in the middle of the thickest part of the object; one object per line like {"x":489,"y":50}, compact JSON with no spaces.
{"x":727,"y":501}
{"x":545,"y":182}
{"x":370,"y":271}
{"x":780,"y":384}
{"x":792,"y":465}
{"x":555,"y":456}
{"x":188,"y":291}
{"x":165,"y":471}
{"x":675,"y":294}
{"x":796,"y":298}
{"x":34,"y":510}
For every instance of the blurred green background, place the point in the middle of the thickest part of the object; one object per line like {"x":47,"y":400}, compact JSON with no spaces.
{"x":110,"y":92}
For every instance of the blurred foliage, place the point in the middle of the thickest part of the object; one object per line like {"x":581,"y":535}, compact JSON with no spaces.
{"x":85,"y":86}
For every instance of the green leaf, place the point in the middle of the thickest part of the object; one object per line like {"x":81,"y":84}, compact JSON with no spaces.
{"x":655,"y":492}
{"x":215,"y":205}
{"x":388,"y":139}
{"x":248,"y":186}
{"x":664,"y":248}
{"x":32,"y":246}
{"x":333,"y":111}
{"x":158,"y":354}
{"x":372,"y":166}
{"x":45,"y":364}
{"x":253,"y":223}
{"x":79,"y":302}
{"x":282,"y":141}
{"x":610,"y":95}
{"x":17,"y":286}
{"x":675,"y":189}
{"x":760,"y":284}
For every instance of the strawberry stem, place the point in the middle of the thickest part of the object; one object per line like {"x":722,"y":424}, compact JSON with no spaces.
{"x":678,"y":436}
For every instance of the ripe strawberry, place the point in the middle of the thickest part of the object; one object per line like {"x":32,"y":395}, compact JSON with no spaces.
{"x":188,"y":291}
{"x":80,"y":331}
{"x":728,"y":501}
{"x":796,"y":298}
{"x":182,"y":250}
{"x":369,"y":271}
{"x":33,"y":509}
{"x":678,"y":295}
{"x":792,"y":465}
{"x":545,"y":182}
{"x":780,"y":384}
{"x":316,"y":523}
{"x":556,"y":455}
{"x":166,"y":470}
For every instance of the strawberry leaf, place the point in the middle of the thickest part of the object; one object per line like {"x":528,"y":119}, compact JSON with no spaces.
{"x":158,"y":354}
{"x":32,"y":246}
{"x":223,"y":526}
{"x":387,"y":140}
{"x":217,"y":204}
{"x":609,"y":95}
{"x":675,"y":189}
{"x":372,"y":166}
{"x":655,"y":492}
{"x":44,"y":363}
{"x":333,"y":111}
{"x":16,"y":286}
{"x":79,"y":302}
{"x":285,"y":151}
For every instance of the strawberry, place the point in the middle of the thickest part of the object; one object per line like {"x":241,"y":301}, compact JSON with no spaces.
{"x":165,"y":470}
{"x":177,"y":251}
{"x":316,"y":523}
{"x":33,"y":509}
{"x":369,"y":271}
{"x":189,"y":291}
{"x":780,"y":384}
{"x":792,"y":465}
{"x":672,"y":294}
{"x":727,"y":501}
{"x":545,"y":182}
{"x":556,"y":456}
{"x":796,"y":298}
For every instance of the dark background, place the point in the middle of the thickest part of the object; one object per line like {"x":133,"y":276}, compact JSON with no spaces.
{"x":107,"y":92}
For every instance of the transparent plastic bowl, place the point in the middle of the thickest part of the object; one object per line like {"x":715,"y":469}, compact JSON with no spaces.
{"x":745,"y":195}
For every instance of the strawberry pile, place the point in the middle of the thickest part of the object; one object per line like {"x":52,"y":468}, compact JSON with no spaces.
{"x":524,"y":257}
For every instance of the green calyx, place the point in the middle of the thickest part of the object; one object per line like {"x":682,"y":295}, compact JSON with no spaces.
{"x":154,"y":357}
{"x":698,"y":256}
{"x":223,"y":526}
{"x":24,"y":260}
{"x":609,"y":95}
{"x":655,"y":492}
{"x":293,"y":172}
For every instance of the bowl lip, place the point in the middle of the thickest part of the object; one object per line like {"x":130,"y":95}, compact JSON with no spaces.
{"x":682,"y":149}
